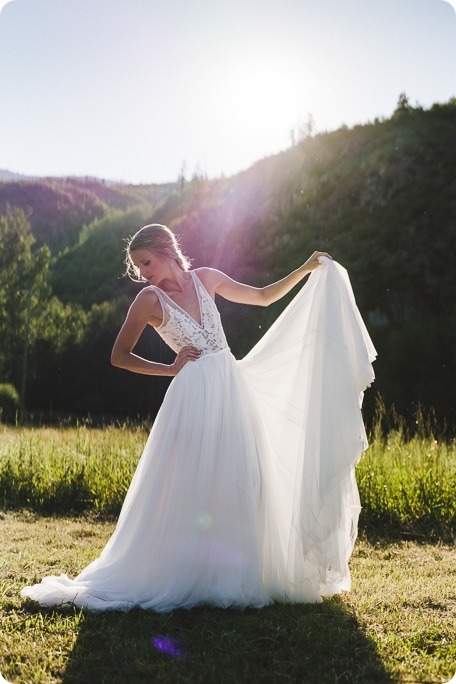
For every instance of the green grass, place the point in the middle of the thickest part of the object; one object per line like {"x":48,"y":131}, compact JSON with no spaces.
{"x":406,"y":483}
{"x":68,"y":469}
{"x":398,"y":624}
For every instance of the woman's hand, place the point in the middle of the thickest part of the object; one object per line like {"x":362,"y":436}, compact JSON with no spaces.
{"x":185,"y":354}
{"x":312,"y":262}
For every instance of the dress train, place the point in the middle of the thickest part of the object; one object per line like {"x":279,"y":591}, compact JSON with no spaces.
{"x":245,"y":492}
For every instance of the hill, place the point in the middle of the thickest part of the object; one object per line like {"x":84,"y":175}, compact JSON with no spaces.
{"x":380,"y":197}
{"x":6,"y":175}
{"x":58,"y":208}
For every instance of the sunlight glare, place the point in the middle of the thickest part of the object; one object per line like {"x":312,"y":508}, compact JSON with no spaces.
{"x":2,"y":5}
{"x":261,"y":97}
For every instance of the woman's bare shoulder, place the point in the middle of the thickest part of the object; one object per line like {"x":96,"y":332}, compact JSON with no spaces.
{"x":147,"y":295}
{"x":209,"y":275}
{"x":147,"y":300}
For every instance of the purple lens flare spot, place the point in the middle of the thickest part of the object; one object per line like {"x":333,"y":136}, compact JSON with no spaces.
{"x":172,"y":647}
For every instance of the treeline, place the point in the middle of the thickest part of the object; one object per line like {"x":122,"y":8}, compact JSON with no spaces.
{"x":380,"y":197}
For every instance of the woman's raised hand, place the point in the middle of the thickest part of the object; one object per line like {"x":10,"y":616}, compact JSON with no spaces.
{"x":312,"y":262}
{"x":184,"y":355}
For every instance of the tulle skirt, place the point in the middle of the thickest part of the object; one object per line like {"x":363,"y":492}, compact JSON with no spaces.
{"x":245,"y":492}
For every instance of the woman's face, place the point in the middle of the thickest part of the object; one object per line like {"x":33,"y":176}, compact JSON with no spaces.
{"x":151,"y":266}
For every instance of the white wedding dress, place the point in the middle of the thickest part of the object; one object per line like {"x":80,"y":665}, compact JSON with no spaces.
{"x":245,"y":492}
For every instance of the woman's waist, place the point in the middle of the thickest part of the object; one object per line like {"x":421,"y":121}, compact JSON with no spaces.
{"x":213,"y":358}
{"x":214,"y":352}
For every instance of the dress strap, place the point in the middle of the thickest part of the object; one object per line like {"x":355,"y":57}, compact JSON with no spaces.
{"x":162,"y":300}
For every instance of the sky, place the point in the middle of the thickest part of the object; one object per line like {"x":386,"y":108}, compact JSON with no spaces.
{"x":140,"y":90}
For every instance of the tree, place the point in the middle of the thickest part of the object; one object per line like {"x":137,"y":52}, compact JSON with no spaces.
{"x":403,"y":104}
{"x":302,"y":130}
{"x":23,"y":294}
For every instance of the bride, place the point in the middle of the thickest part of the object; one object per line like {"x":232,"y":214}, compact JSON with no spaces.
{"x":245,"y":492}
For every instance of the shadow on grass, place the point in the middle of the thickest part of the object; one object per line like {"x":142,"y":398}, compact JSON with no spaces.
{"x":385,"y":533}
{"x":315,"y":643}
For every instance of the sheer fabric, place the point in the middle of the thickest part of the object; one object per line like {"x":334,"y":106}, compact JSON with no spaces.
{"x":245,"y":492}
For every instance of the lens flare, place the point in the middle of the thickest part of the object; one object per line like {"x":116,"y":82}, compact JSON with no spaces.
{"x":204,"y":520}
{"x":172,"y":647}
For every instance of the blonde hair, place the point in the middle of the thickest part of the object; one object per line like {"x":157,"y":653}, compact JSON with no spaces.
{"x":159,"y":239}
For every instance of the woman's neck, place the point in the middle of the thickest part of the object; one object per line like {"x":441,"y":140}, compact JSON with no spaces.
{"x":175,"y":281}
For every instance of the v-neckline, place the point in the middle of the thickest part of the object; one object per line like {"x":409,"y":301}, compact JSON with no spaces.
{"x":199,"y":324}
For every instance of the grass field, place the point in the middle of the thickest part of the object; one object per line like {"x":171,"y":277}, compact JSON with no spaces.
{"x":397,"y":623}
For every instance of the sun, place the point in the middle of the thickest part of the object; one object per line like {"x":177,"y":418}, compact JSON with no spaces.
{"x":260,"y":97}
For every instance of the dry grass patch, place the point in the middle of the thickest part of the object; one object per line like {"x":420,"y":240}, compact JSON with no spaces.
{"x":397,"y":624}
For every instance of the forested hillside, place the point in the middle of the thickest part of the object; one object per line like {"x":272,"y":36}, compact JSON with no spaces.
{"x":380,"y":197}
{"x":58,"y":208}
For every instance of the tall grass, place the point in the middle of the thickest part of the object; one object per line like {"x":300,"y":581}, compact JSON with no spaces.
{"x":405,"y":481}
{"x":407,"y":477}
{"x":56,"y":470}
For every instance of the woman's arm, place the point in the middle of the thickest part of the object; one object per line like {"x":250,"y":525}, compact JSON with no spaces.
{"x":219,"y":282}
{"x":145,"y":308}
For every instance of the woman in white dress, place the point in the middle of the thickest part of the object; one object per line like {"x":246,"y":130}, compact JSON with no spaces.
{"x":245,"y":492}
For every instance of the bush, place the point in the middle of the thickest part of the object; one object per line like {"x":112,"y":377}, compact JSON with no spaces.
{"x":9,"y":401}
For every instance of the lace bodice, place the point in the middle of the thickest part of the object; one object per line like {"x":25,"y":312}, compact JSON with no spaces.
{"x":178,"y":329}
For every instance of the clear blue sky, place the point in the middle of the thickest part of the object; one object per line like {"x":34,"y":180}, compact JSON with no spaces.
{"x":131,"y":89}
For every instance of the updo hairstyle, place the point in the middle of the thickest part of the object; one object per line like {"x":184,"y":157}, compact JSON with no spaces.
{"x":159,"y":239}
